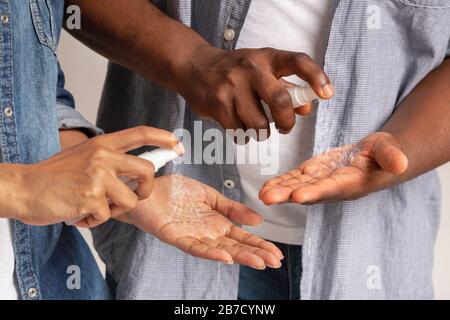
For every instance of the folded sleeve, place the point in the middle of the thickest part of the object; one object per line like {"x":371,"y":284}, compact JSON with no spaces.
{"x":68,"y":117}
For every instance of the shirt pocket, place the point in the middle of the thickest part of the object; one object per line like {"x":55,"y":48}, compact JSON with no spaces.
{"x":44,"y":22}
{"x":432,"y":4}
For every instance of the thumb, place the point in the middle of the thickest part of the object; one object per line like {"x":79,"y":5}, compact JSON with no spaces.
{"x":234,"y":211}
{"x":388,"y":154}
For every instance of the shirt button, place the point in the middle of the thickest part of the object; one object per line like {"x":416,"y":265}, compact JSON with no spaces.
{"x":229,"y":34}
{"x":8,"y":112}
{"x":32,"y":292}
{"x":4,"y":19}
{"x":229,"y":184}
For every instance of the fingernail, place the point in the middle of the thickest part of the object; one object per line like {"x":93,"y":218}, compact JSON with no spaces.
{"x":261,"y":267}
{"x":276,"y":266}
{"x":327,"y":91}
{"x":284,"y":131}
{"x":228,"y":262}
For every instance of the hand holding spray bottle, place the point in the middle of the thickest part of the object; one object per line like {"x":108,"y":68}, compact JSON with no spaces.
{"x":158,"y":157}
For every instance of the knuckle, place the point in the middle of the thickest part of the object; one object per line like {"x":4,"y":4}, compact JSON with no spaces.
{"x":95,"y":171}
{"x":144,"y":133}
{"x":92,"y":191}
{"x":248,"y":62}
{"x":302,"y":58}
{"x":230,"y":77}
{"x":268,"y":52}
{"x":100,"y":153}
{"x":221,"y":96}
{"x":260,"y":124}
{"x":280,"y":99}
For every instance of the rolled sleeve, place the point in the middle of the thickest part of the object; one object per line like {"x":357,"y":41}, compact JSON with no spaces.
{"x":69,"y":118}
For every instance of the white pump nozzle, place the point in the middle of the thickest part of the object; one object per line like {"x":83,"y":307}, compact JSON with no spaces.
{"x":300,"y":96}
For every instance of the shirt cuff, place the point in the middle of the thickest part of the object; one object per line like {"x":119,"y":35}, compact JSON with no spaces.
{"x":69,"y":118}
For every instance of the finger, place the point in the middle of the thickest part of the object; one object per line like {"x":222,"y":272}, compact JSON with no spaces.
{"x":275,"y":194}
{"x":229,"y":119}
{"x":200,"y":249}
{"x":319,"y":190}
{"x":250,"y":111}
{"x":278,"y":99}
{"x":285,"y":63}
{"x":303,"y":110}
{"x":121,"y":197}
{"x":137,"y":137}
{"x":249,"y":239}
{"x":134,"y":168}
{"x":98,"y":215}
{"x":240,"y":250}
{"x":387,"y":152}
{"x":232,"y":210}
{"x":239,"y":253}
{"x":278,"y":190}
{"x":341,"y":185}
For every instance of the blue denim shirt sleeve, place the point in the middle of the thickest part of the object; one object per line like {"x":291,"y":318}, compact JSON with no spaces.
{"x":68,"y":117}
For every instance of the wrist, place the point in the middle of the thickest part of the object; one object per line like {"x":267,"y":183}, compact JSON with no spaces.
{"x":71,"y":137}
{"x":13,"y":191}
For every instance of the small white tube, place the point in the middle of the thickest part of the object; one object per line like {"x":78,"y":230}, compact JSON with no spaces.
{"x":300,"y":96}
{"x":159,"y":158}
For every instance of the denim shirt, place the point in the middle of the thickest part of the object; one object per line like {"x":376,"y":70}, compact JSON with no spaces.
{"x":380,"y":246}
{"x":33,"y":106}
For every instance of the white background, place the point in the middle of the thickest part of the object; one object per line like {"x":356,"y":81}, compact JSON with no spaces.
{"x":85,"y":72}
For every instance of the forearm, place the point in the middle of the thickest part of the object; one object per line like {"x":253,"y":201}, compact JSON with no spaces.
{"x":137,"y":35}
{"x":421,"y":123}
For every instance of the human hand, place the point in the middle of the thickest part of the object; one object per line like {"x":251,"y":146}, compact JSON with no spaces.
{"x":228,"y":86}
{"x":198,"y":220}
{"x":84,"y":180}
{"x":346,"y":173}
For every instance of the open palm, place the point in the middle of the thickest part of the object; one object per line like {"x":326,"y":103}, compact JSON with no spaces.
{"x":198,"y":220}
{"x":346,"y":173}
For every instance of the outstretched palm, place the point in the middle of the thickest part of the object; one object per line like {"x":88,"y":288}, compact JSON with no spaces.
{"x":345,"y":173}
{"x":198,"y":220}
